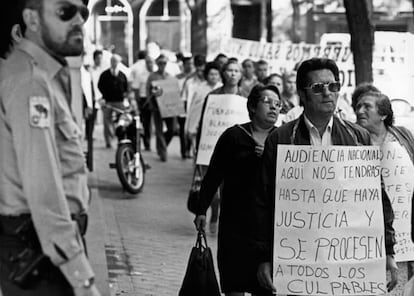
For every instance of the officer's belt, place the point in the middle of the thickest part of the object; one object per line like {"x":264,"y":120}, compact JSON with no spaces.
{"x":9,"y":224}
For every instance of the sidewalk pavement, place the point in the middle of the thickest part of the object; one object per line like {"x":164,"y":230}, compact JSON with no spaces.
{"x":147,"y":237}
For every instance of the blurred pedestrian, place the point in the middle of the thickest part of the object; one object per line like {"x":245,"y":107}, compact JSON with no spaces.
{"x":221,"y":59}
{"x":262,"y":68}
{"x":190,"y":86}
{"x":236,"y":164}
{"x":140,"y":71}
{"x":249,"y":79}
{"x":318,"y":87}
{"x":44,"y":195}
{"x":374,"y":112}
{"x":187,"y":74}
{"x":153,"y":91}
{"x":275,"y":79}
{"x":290,"y":97}
{"x":195,"y":95}
{"x":113,"y":84}
{"x":230,"y":76}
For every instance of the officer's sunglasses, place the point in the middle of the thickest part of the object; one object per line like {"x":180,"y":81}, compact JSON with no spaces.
{"x":68,"y":11}
{"x":319,"y":87}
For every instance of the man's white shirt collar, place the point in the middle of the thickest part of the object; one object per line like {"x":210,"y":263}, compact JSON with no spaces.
{"x":315,"y":137}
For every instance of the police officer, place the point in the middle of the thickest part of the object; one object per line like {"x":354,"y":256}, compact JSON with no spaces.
{"x":43,"y":182}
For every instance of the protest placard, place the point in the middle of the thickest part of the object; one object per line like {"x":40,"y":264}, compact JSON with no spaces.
{"x":221,"y":112}
{"x":195,"y":108}
{"x":329,"y":227}
{"x":169,"y":103}
{"x":397,"y":172}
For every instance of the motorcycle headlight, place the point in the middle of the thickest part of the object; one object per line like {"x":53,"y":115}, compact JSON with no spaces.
{"x":125,"y":120}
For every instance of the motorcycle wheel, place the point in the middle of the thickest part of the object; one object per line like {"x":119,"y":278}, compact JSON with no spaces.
{"x":131,"y":175}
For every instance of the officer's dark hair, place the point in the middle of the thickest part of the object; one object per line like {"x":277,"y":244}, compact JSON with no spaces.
{"x":199,"y":60}
{"x":313,"y":65}
{"x":360,"y":90}
{"x":256,"y":94}
{"x":38,"y":4}
{"x":209,"y":66}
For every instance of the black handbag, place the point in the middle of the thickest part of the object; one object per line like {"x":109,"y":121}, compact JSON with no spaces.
{"x":200,"y":278}
{"x":194,"y":194}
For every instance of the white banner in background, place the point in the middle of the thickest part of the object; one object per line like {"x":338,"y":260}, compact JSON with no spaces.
{"x":392,"y":59}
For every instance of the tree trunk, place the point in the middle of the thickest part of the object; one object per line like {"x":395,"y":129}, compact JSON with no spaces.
{"x":269,"y":19}
{"x":295,"y":33}
{"x":199,"y":27}
{"x":359,"y":17}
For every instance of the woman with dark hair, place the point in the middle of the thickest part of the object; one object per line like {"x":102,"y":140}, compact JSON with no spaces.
{"x":236,"y":163}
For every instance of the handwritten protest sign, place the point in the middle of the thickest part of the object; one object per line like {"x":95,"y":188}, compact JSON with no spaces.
{"x":169,"y":103}
{"x":195,"y":108}
{"x":329,"y":235}
{"x":397,"y":172}
{"x":222,"y":112}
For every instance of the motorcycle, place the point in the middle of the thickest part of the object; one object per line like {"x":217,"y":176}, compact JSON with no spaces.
{"x":129,"y":163}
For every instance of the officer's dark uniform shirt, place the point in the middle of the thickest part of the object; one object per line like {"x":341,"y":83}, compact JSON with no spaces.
{"x":42,"y":165}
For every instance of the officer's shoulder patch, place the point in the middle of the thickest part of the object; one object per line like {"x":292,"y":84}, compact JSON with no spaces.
{"x":39,"y":112}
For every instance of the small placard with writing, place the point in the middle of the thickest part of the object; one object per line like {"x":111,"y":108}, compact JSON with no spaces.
{"x":169,"y":103}
{"x":221,"y":112}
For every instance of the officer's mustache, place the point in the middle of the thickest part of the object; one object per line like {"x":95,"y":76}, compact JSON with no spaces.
{"x":76,"y":30}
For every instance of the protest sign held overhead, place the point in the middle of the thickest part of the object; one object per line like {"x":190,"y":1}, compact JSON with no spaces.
{"x":169,"y":102}
{"x":221,"y":112}
{"x":328,"y":226}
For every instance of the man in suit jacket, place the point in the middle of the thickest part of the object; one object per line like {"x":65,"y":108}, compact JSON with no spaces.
{"x":318,"y":87}
{"x":113,"y":84}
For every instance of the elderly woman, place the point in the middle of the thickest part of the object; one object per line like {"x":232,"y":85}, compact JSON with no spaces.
{"x":236,"y":163}
{"x":374,"y":112}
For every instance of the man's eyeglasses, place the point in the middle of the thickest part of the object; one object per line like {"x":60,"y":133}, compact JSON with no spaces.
{"x":318,"y":87}
{"x":271,"y":102}
{"x":68,"y":12}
